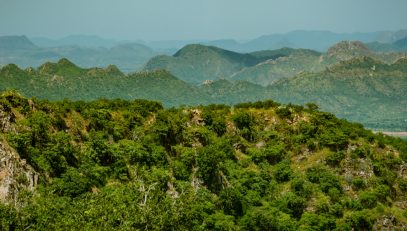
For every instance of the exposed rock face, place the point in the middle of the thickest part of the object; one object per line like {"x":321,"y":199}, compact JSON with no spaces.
{"x":15,"y":174}
{"x":6,"y":119}
{"x":388,"y":222}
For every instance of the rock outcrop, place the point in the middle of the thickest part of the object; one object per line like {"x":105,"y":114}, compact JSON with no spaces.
{"x":15,"y":174}
{"x":6,"y":119}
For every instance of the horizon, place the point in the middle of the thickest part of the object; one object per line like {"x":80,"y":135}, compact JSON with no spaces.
{"x":198,"y":39}
{"x":188,"y":41}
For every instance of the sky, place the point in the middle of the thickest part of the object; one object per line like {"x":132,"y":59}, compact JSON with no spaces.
{"x":154,"y":20}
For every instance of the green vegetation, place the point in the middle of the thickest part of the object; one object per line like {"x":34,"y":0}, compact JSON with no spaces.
{"x":361,"y":89}
{"x":132,"y":165}
{"x":301,"y":60}
{"x":285,"y":66}
{"x":197,"y":63}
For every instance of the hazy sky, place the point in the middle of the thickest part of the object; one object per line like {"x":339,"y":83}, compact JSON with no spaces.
{"x":196,"y":19}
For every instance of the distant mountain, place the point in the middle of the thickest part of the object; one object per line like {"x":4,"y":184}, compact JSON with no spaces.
{"x":127,"y":56}
{"x":197,"y":63}
{"x":315,"y":40}
{"x":390,"y":36}
{"x":301,"y":60}
{"x":399,"y":45}
{"x":270,"y":71}
{"x":402,"y":43}
{"x":75,"y":40}
{"x":15,"y":42}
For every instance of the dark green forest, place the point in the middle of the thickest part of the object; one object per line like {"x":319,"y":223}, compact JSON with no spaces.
{"x":135,"y":165}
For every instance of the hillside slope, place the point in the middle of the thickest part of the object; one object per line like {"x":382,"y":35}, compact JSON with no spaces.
{"x":361,"y":89}
{"x":130,"y":165}
{"x":301,"y":60}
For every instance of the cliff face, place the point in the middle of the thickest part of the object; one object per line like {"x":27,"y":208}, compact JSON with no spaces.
{"x":15,"y":173}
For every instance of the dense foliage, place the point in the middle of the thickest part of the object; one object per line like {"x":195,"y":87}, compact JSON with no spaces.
{"x":132,"y":165}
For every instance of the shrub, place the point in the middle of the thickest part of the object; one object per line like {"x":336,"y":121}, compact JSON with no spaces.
{"x":282,"y":171}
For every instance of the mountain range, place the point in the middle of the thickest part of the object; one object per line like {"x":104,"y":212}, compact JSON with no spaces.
{"x":198,"y":63}
{"x":360,"y":89}
{"x":307,"y":39}
{"x":129,"y":56}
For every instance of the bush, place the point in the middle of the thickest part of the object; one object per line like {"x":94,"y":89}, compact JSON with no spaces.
{"x":358,"y":183}
{"x":335,"y":158}
{"x":243,"y":120}
{"x":267,"y":218}
{"x":8,"y":218}
{"x":291,"y":204}
{"x":301,"y":187}
{"x":231,"y":201}
{"x":324,"y":178}
{"x":284,"y":112}
{"x":311,"y":221}
{"x":368,"y":200}
{"x":282,"y":171}
{"x":360,"y":220}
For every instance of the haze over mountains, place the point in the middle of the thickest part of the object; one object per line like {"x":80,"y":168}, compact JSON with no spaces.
{"x":21,"y":51}
{"x":90,"y":51}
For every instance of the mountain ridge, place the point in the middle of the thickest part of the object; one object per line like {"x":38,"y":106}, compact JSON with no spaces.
{"x":348,"y":89}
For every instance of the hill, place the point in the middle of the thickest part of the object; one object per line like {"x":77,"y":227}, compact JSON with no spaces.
{"x":197,"y":63}
{"x":301,"y":60}
{"x":399,"y":45}
{"x":361,"y":89}
{"x":15,"y":42}
{"x":115,"y":164}
{"x":283,"y":66}
{"x":56,"y":81}
{"x":402,"y":43}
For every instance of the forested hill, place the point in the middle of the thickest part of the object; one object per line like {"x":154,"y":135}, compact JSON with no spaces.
{"x":132,"y":165}
{"x":361,"y":89}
